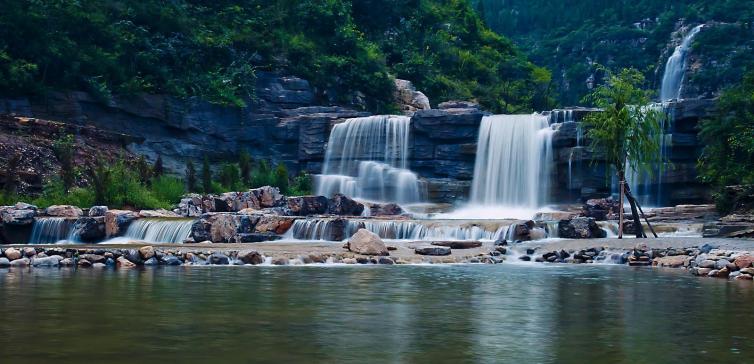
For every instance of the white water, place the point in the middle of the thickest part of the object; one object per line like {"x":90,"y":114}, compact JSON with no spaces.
{"x":675,"y":68}
{"x":159,"y":230}
{"x":50,"y":230}
{"x":320,"y":229}
{"x":512,"y":169}
{"x":367,"y":158}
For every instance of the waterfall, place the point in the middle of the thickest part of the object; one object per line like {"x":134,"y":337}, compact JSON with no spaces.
{"x":513,"y":162}
{"x":675,"y":68}
{"x":50,"y":230}
{"x":368,"y":158}
{"x":322,"y":229}
{"x":160,"y":230}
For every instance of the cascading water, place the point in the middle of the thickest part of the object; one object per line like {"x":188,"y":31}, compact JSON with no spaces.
{"x":173,"y":231}
{"x":513,"y":164}
{"x":321,"y":229}
{"x":50,"y":230}
{"x":675,"y":68}
{"x":368,"y":158}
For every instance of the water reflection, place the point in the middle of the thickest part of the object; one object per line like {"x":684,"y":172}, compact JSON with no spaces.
{"x":486,"y":314}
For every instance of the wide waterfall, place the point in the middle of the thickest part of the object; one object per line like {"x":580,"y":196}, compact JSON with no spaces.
{"x":513,"y":165}
{"x":675,"y":68}
{"x":321,"y":229}
{"x":50,"y":230}
{"x":368,"y":158}
{"x":159,"y":230}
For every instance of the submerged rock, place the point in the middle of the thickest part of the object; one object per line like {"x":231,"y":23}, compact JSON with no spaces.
{"x":458,"y":244}
{"x":219,"y":259}
{"x":367,"y":243}
{"x":250,"y":257}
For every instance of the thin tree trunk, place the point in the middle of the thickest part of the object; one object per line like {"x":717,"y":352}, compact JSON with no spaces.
{"x":635,"y":214}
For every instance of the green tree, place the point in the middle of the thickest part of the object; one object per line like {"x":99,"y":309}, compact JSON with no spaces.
{"x":64,"y":150}
{"x":229,"y":176}
{"x":206,"y":176}
{"x":101,"y":178}
{"x":281,"y":178}
{"x":728,"y":138}
{"x":190,"y":176}
{"x":144,"y":170}
{"x":244,"y":164}
{"x":262,"y":175}
{"x":627,"y":130}
{"x":158,"y":170}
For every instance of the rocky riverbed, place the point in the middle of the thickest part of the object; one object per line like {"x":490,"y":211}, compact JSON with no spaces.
{"x":719,"y":258}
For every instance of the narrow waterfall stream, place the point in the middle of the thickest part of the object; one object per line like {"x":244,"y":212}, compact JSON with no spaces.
{"x":50,"y":230}
{"x":173,"y":231}
{"x":675,"y":67}
{"x":367,"y":158}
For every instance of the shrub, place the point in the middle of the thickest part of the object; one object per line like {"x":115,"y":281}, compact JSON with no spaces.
{"x":281,"y":178}
{"x":168,"y":190}
{"x":230,"y":177}
{"x":301,"y":186}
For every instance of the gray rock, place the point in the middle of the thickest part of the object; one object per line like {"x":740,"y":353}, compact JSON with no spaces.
{"x":97,"y":211}
{"x":23,"y":262}
{"x":219,"y":259}
{"x":706,"y":248}
{"x":307,"y":205}
{"x":4,"y":262}
{"x":52,"y":261}
{"x":367,"y":243}
{"x":89,"y":229}
{"x":151,"y":261}
{"x":432,"y":250}
{"x":343,"y":205}
{"x":707,"y":263}
{"x":458,"y":244}
{"x":385,"y":260}
{"x":99,"y":265}
{"x":580,"y":228}
{"x":67,"y":262}
{"x":171,"y":260}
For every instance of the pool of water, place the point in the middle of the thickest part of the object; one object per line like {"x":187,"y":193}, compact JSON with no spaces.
{"x":402,"y":314}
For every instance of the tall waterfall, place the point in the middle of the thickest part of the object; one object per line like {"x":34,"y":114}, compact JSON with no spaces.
{"x":675,"y":68}
{"x":50,"y":230}
{"x":368,"y":158}
{"x":160,"y":230}
{"x":513,"y":162}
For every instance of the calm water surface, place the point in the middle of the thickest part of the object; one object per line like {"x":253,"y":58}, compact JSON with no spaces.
{"x":403,"y":314}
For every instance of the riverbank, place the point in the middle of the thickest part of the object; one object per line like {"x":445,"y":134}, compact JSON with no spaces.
{"x":722,"y":258}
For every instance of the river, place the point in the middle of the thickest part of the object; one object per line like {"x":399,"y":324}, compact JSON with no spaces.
{"x":505,"y":313}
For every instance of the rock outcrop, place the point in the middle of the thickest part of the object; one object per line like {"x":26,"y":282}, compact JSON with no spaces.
{"x":366,"y":242}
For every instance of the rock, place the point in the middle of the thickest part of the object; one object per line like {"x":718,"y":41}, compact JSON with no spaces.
{"x":171,"y":260}
{"x":29,"y":252}
{"x":280,"y":261}
{"x":343,"y":205}
{"x":722,"y":263}
{"x":67,"y":262}
{"x":161,"y":213}
{"x":219,"y":259}
{"x":274,"y":224}
{"x":52,"y":261}
{"x":708,"y":263}
{"x":745,"y":277}
{"x":307,"y":205}
{"x":703,"y":271}
{"x":97,"y":211}
{"x":122,"y":262}
{"x":256,"y":237}
{"x":250,"y":257}
{"x":600,"y":209}
{"x":743,"y":261}
{"x":94,"y":258}
{"x":146,"y":252}
{"x":387,"y":209}
{"x":408,"y":99}
{"x":117,"y":221}
{"x":151,"y":261}
{"x":89,"y":229}
{"x":519,"y":231}
{"x":458,"y":104}
{"x":676,"y":261}
{"x":18,"y":215}
{"x":132,"y":255}
{"x":4,"y":262}
{"x":99,"y":265}
{"x":385,"y":260}
{"x":23,"y":262}
{"x":13,"y":254}
{"x":458,"y":244}
{"x":367,"y":243}
{"x":349,"y":261}
{"x":63,"y":211}
{"x":748,"y":270}
{"x":525,"y":258}
{"x":706,"y":248}
{"x":580,"y":228}
{"x":268,"y":196}
{"x":432,"y":250}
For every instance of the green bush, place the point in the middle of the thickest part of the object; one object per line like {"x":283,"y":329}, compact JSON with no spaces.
{"x":301,"y":186}
{"x":168,"y":189}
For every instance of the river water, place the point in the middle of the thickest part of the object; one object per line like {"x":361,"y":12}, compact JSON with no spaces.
{"x":401,"y":314}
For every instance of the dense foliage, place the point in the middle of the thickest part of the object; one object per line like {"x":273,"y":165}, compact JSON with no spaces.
{"x":728,"y":137}
{"x":570,"y":37}
{"x":212,"y":49}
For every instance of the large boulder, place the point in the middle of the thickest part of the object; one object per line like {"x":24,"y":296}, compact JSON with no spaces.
{"x":432,"y":250}
{"x":63,"y":211}
{"x":367,"y":243}
{"x":13,"y":254}
{"x":386,"y":209}
{"x":250,"y":257}
{"x":235,"y":201}
{"x":89,"y":229}
{"x":223,"y":227}
{"x":601,"y":208}
{"x":96,"y":211}
{"x":408,"y":98}
{"x":117,"y":221}
{"x":343,"y":205}
{"x":190,"y":205}
{"x":307,"y":205}
{"x":520,"y":231}
{"x":580,"y":228}
{"x":274,"y":224}
{"x":19,"y":214}
{"x":268,"y":196}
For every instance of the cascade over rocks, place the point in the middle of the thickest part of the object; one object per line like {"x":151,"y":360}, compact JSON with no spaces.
{"x":117,"y":221}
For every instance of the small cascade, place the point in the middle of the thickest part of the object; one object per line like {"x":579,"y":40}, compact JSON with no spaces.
{"x":173,"y":231}
{"x":50,"y":230}
{"x":562,"y":116}
{"x":514,"y":158}
{"x":552,"y":229}
{"x":325,"y":229}
{"x":675,"y":68}
{"x":368,"y":158}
